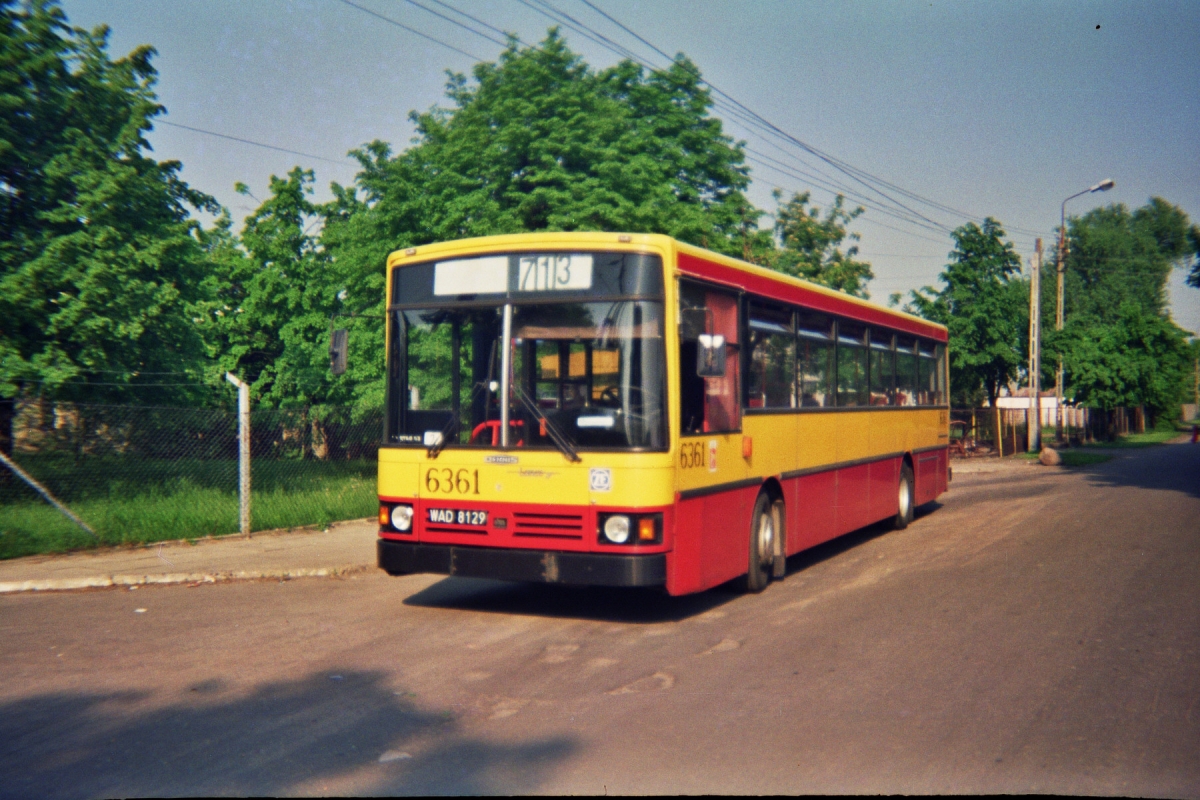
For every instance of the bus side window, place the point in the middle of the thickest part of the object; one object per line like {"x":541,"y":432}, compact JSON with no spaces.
{"x":772,"y":364}
{"x":709,"y":405}
{"x":927,"y":380}
{"x":906,"y":371}
{"x":852,"y":387}
{"x":814,"y":359}
{"x":883,"y":368}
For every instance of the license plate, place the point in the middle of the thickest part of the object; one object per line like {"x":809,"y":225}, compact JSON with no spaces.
{"x":456,"y":516}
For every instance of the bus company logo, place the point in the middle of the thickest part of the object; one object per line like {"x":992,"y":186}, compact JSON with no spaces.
{"x":500,"y":459}
{"x":712,"y":455}
{"x":600,"y":479}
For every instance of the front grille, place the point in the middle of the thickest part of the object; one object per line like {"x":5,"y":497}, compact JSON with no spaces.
{"x":548,"y":526}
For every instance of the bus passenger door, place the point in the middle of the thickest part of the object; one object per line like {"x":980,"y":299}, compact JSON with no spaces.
{"x":712,"y":541}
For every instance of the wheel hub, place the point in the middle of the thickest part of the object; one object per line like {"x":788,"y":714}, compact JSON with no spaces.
{"x":766,"y":540}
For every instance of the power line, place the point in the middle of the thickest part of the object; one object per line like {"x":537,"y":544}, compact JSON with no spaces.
{"x":440,"y":15}
{"x":413,"y":31}
{"x":478,"y":21}
{"x":859,"y":175}
{"x":247,"y":141}
{"x":739,"y":110}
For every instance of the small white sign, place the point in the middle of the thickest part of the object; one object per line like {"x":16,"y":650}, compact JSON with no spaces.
{"x":432,"y":438}
{"x":488,"y":275}
{"x":600,"y":421}
{"x":600,"y":479}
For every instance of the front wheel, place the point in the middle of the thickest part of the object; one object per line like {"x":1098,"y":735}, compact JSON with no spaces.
{"x":764,"y":533}
{"x":907,"y":496}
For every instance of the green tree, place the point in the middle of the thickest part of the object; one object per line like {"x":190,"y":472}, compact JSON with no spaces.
{"x":1137,"y":359}
{"x":1115,"y":256}
{"x":1193,"y":237}
{"x":811,"y":244}
{"x":539,"y":141}
{"x":273,"y":290}
{"x":983,"y":303}
{"x":1119,"y":346}
{"x":99,"y":259}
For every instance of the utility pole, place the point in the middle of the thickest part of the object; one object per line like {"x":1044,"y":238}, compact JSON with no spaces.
{"x":1063,"y":247}
{"x":1058,"y":325}
{"x":1034,"y":425}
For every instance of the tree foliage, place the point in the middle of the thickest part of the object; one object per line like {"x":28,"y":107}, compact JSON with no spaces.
{"x":272,"y":294}
{"x":99,"y":261}
{"x":539,"y":141}
{"x":1135,"y":359}
{"x":1193,"y":278}
{"x":1119,"y":345}
{"x":983,"y":302}
{"x":811,"y":244}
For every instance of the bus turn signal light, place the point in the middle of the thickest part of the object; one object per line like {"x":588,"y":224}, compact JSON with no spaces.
{"x":385,"y":516}
{"x":646,"y":531}
{"x":747,"y":446}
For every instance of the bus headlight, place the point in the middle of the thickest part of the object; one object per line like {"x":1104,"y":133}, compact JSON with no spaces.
{"x":402,"y":518}
{"x":616,"y":529}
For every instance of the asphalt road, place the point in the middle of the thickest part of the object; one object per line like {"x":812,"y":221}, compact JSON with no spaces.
{"x":1039,"y":631}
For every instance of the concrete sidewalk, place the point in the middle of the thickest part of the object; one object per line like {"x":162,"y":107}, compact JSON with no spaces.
{"x":345,"y":547}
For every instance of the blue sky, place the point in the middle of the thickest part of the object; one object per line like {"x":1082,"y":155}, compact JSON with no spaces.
{"x":991,"y":109}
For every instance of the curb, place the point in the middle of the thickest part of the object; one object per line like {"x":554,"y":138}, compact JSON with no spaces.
{"x":108,"y":581}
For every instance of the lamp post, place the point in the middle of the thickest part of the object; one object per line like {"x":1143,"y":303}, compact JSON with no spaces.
{"x":1102,"y":186}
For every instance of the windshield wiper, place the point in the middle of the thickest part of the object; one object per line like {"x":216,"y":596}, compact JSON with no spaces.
{"x":552,"y":430}
{"x":452,"y":424}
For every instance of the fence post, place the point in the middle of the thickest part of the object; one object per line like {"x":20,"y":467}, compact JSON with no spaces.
{"x":243,"y":452}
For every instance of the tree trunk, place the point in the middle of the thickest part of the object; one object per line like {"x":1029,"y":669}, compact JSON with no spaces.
{"x":8,"y":413}
{"x":320,"y":441}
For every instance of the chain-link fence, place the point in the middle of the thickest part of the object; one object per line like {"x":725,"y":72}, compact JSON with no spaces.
{"x":988,"y":432}
{"x":1004,"y":431}
{"x":139,"y":474}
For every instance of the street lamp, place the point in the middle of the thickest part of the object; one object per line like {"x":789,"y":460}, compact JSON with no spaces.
{"x":1102,"y":186}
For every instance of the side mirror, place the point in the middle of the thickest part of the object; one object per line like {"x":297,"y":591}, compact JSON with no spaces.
{"x":710,"y":355}
{"x":338,"y":345}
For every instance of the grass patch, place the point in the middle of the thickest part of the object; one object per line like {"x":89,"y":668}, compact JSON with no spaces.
{"x":1129,"y":440}
{"x":1075,"y":458}
{"x":149,"y":507}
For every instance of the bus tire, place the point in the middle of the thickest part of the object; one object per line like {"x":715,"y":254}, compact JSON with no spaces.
{"x":906,"y":491}
{"x":780,"y":562}
{"x":763,"y":535}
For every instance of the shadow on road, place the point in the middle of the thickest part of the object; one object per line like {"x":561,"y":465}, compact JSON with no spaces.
{"x":323,"y":734}
{"x":645,"y":606}
{"x":1170,"y":467}
{"x":835,"y":547}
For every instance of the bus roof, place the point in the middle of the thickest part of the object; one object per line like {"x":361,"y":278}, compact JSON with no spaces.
{"x":691,"y":261}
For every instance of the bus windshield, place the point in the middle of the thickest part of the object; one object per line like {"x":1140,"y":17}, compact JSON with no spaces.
{"x":592,"y":371}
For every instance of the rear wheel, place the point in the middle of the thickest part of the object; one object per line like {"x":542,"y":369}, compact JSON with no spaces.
{"x":780,"y":560}
{"x":907,"y":496}
{"x":763,"y":538}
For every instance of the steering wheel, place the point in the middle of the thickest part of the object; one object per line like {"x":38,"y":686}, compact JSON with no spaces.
{"x":610,"y":394}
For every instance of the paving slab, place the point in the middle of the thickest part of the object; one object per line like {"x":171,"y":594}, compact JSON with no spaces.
{"x":342,"y":548}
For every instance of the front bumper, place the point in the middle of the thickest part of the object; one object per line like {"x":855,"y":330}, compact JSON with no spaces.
{"x":536,"y":566}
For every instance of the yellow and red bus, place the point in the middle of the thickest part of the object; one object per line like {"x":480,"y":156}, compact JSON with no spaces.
{"x":630,"y":410}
